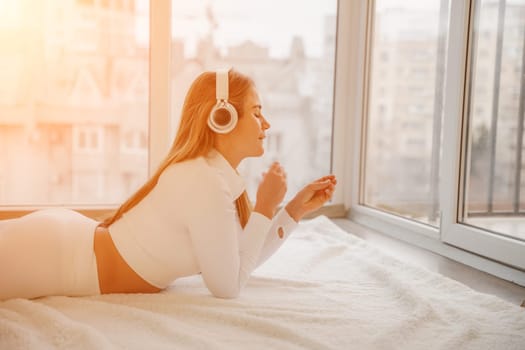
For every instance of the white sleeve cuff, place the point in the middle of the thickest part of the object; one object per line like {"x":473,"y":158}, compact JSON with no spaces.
{"x":282,"y":226}
{"x":283,"y":222}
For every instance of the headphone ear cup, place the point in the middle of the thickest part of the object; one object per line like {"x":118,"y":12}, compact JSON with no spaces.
{"x":223,"y":118}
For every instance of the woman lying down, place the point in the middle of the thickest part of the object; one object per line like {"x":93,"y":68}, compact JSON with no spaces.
{"x":193,"y":216}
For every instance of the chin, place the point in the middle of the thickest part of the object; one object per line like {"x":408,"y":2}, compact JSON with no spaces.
{"x":258,"y":153}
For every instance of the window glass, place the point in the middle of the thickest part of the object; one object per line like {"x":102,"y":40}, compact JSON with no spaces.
{"x":76,"y":85}
{"x":494,"y":195}
{"x":288,"y":48}
{"x":405,"y":104}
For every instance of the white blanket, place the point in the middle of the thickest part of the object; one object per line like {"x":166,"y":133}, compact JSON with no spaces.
{"x":324,"y":289}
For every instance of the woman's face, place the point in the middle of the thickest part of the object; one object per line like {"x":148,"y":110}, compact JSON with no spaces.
{"x":248,"y":135}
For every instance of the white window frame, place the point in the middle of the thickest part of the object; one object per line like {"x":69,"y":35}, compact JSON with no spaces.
{"x":355,"y":26}
{"x":454,"y":233}
{"x":159,"y":102}
{"x":160,"y":84}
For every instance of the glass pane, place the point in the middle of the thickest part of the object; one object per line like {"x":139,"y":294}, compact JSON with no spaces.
{"x":290,"y":55}
{"x":405,"y":105}
{"x":76,"y":84}
{"x":494,"y":195}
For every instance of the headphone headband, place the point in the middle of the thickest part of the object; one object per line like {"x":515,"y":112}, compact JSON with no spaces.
{"x":221,"y":84}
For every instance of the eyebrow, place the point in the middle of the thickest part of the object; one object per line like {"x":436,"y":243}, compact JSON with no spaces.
{"x":257,"y":106}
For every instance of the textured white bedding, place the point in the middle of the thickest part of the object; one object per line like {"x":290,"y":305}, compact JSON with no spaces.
{"x":325,"y":289}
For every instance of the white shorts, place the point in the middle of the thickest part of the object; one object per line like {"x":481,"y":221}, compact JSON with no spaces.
{"x":48,"y":252}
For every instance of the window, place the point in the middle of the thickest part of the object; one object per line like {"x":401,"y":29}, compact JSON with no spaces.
{"x":441,"y":157}
{"x":87,"y":139}
{"x":291,"y":56}
{"x":493,"y":194}
{"x":77,"y":78}
{"x":405,"y":104}
{"x":482,"y":206}
{"x":74,"y":104}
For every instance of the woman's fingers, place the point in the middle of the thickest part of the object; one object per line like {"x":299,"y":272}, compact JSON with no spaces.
{"x":322,"y":191}
{"x":278,"y":169}
{"x":272,"y":187}
{"x":317,"y":186}
{"x":330,"y":178}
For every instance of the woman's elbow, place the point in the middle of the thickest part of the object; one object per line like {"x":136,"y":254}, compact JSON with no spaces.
{"x":226,"y":292}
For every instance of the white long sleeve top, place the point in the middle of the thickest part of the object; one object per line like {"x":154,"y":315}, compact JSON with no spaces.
{"x":188,"y":224}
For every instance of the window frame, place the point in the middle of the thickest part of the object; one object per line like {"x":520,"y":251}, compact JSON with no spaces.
{"x":160,"y":121}
{"x":358,"y":36}
{"x":457,"y":104}
{"x":159,"y":106}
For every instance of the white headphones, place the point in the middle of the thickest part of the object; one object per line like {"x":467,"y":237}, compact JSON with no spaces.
{"x":223,"y":116}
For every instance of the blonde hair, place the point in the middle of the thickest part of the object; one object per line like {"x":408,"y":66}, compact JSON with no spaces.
{"x":194,"y":138}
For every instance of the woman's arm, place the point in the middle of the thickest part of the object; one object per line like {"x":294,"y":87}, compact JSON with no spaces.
{"x":310,"y":198}
{"x":225,"y":261}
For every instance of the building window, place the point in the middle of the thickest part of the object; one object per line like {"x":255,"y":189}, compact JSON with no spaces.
{"x":134,"y":141}
{"x":88,"y":139}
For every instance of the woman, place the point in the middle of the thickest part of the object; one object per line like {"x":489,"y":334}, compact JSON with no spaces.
{"x":192,"y":216}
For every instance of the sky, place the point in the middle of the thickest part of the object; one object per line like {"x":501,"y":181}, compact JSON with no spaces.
{"x":271,"y":23}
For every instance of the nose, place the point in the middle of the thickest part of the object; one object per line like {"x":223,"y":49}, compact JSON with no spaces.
{"x":265,"y":125}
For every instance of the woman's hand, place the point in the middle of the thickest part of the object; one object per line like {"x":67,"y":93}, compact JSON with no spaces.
{"x":271,"y":190}
{"x":311,"y":197}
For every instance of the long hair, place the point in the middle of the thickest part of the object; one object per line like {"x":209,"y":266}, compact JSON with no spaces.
{"x":194,"y":138}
